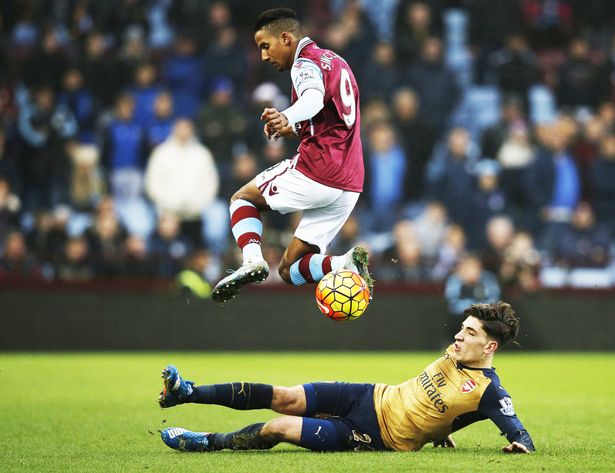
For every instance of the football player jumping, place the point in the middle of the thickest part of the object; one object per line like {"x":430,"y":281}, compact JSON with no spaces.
{"x":323,"y":179}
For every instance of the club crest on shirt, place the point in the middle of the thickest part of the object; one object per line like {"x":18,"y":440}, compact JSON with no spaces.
{"x":469,"y":386}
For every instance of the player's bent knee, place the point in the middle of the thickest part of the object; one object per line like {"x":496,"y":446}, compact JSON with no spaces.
{"x":285,"y":428}
{"x":239,"y":195}
{"x":274,"y":429}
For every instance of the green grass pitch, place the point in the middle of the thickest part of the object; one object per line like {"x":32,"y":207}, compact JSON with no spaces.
{"x":94,"y":412}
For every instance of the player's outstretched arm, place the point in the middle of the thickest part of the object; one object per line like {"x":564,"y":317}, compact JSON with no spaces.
{"x":497,"y":405}
{"x":516,"y":447}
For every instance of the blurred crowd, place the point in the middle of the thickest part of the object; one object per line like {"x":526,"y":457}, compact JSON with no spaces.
{"x":488,"y":128}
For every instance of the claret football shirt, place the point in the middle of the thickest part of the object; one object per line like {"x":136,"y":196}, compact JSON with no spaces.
{"x":330,"y":150}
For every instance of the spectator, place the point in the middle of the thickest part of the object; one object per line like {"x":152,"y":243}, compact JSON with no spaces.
{"x":500,"y":231}
{"x":47,"y":238}
{"x":46,"y":65}
{"x":245,"y":167}
{"x":221,"y":124}
{"x":491,"y":22}
{"x":163,"y":119}
{"x":181,"y":178}
{"x":132,"y":53}
{"x":81,"y":21}
{"x":374,"y":112}
{"x":449,"y":253}
{"x":435,"y":85}
{"x":16,"y":263}
{"x":379,"y":77}
{"x":451,"y":176}
{"x":579,"y":78}
{"x":225,"y":58}
{"x":470,"y":284}
{"x":122,"y":151}
{"x":362,"y":34}
{"x":488,"y":200}
{"x":101,"y":70}
{"x":86,"y":182}
{"x":403,"y":261}
{"x":183,"y":73}
{"x":135,"y":259}
{"x":430,"y":227}
{"x":168,"y":248}
{"x":106,"y":237}
{"x":513,"y":68}
{"x":417,"y":140}
{"x":583,"y":244}
{"x":606,"y":113}
{"x":552,"y":185}
{"x":80,"y":102}
{"x":415,"y":24}
{"x":387,"y":164}
{"x":514,"y":156}
{"x":493,"y":137}
{"x":602,"y":179}
{"x":521,"y":263}
{"x":586,"y":148}
{"x":144,"y":91}
{"x":75,"y":264}
{"x":265,"y":95}
{"x":191,"y":281}
{"x":45,"y":127}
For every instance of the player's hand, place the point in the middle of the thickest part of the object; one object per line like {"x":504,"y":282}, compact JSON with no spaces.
{"x":448,"y":442}
{"x":275,"y":120}
{"x":268,"y":133}
{"x":515,"y":447}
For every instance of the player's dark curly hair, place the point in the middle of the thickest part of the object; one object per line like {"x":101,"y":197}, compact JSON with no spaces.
{"x":499,"y":320}
{"x":278,"y":19}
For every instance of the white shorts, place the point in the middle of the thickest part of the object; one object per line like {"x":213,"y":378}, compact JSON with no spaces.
{"x":325,"y":209}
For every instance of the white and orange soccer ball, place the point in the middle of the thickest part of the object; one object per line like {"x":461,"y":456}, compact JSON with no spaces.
{"x":342,"y":295}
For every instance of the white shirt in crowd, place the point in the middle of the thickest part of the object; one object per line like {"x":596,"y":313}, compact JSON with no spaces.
{"x":181,"y":178}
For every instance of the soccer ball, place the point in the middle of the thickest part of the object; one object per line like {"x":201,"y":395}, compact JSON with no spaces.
{"x":342,"y":295}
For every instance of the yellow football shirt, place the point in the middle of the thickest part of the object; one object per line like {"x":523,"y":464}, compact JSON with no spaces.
{"x":445,"y":397}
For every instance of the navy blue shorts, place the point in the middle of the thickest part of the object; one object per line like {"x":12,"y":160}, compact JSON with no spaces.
{"x":350,"y":409}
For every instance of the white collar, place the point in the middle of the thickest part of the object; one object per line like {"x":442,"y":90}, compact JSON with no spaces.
{"x":301,"y":44}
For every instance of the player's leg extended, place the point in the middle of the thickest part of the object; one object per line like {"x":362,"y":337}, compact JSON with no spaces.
{"x":302,"y":264}
{"x":313,"y":434}
{"x":246,"y":205}
{"x":239,"y":395}
{"x":300,"y":428}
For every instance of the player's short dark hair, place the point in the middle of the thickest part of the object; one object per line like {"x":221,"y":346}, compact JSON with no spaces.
{"x":499,"y":320}
{"x":278,"y":20}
